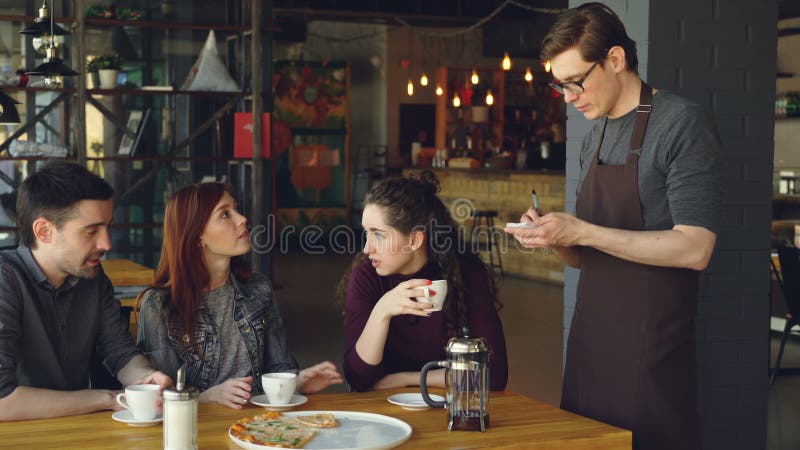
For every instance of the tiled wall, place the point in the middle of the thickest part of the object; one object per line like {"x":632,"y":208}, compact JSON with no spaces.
{"x":722,"y":54}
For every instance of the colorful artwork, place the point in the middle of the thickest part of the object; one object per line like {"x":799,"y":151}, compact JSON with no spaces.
{"x":311,"y":94}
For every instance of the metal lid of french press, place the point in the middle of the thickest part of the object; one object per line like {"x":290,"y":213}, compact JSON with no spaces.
{"x":181,"y":391}
{"x":467,"y":344}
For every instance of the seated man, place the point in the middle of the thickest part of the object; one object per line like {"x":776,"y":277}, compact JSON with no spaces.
{"x":57,"y":306}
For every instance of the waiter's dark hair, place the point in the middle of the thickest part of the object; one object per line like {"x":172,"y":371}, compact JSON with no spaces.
{"x":410,"y":204}
{"x":52,"y":192}
{"x":594,"y":28}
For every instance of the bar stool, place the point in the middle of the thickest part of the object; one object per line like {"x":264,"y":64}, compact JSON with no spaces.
{"x":485,"y":218}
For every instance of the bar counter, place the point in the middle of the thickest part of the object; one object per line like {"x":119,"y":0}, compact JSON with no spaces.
{"x":507,"y":191}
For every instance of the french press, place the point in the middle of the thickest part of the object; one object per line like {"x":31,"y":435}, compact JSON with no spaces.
{"x":467,"y":383}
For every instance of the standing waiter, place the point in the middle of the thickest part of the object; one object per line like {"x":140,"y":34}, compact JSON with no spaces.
{"x":646,"y":219}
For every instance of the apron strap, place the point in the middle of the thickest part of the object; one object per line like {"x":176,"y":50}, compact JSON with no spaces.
{"x":642,"y":115}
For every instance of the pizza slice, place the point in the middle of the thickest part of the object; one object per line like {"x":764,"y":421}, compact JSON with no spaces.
{"x":272,"y":429}
{"x":326,"y":420}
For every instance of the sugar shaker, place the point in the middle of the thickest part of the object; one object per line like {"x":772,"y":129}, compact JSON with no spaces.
{"x":180,"y":415}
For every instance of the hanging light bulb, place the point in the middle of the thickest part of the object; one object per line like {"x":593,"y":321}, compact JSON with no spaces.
{"x":506,"y":62}
{"x":53,"y":80}
{"x":41,"y":31}
{"x":52,"y":69}
{"x":410,"y":87}
{"x":439,"y":90}
{"x":528,"y":75}
{"x":547,"y":66}
{"x":456,"y":101}
{"x":474,"y":79}
{"x":423,"y":80}
{"x":489,"y":97}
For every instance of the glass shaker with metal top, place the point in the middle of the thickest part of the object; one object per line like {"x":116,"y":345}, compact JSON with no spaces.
{"x":180,"y":415}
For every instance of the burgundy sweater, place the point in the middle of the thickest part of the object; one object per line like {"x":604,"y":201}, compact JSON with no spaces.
{"x":412,"y":341}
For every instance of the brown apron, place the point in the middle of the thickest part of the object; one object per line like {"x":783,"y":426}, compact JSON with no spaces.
{"x":631,"y":348}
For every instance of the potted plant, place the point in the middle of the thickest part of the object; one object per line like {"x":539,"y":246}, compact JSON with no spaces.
{"x":107,"y":66}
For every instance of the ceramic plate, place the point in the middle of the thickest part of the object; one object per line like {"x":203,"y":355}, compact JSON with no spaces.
{"x":355,"y":431}
{"x":125,"y":416}
{"x":412,"y":401}
{"x":261,"y":400}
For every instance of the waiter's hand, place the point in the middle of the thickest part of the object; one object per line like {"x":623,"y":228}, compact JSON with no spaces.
{"x":526,"y":236}
{"x":552,"y":230}
{"x":530,"y":216}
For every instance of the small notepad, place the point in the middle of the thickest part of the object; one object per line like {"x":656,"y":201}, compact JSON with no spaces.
{"x":520,"y":225}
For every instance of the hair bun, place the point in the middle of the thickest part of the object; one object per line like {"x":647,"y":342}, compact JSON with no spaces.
{"x":427,"y":179}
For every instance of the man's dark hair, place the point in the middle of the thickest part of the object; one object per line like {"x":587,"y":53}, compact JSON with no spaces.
{"x":594,"y":28}
{"x":52,"y":193}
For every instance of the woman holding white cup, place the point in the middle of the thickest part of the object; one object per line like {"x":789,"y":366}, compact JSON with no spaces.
{"x":208,"y":309}
{"x":414,"y":287}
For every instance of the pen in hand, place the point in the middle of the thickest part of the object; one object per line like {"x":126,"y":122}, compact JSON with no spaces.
{"x":535,"y":199}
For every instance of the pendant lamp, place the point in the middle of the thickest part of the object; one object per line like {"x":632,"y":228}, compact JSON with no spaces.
{"x":8,"y":109}
{"x":53,"y":69}
{"x":42,"y":24}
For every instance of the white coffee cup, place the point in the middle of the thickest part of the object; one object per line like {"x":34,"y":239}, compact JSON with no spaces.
{"x":279,"y":387}
{"x":141,"y":400}
{"x":440,"y":289}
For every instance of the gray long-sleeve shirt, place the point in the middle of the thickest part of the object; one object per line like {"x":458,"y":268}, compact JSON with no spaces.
{"x":47,"y":335}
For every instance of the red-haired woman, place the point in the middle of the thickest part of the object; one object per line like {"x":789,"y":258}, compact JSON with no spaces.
{"x":207,"y":309}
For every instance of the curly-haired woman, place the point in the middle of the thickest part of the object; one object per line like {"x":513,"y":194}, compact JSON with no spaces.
{"x":411,"y":239}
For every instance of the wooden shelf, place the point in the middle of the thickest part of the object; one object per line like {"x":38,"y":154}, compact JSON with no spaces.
{"x":159,"y":24}
{"x":158,"y":158}
{"x":139,"y":91}
{"x":35,"y":158}
{"x":124,"y":91}
{"x":36,"y":89}
{"x":21,"y":18}
{"x":156,"y":24}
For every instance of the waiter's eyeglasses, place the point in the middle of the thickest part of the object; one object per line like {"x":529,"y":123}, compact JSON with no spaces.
{"x":573,"y":87}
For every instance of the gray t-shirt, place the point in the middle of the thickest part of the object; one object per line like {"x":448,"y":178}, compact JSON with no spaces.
{"x":680,"y":167}
{"x":233,"y":359}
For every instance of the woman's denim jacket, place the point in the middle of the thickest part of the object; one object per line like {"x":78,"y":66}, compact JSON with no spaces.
{"x":257,"y":318}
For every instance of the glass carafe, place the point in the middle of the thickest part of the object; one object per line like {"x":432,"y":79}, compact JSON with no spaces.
{"x":467,"y":383}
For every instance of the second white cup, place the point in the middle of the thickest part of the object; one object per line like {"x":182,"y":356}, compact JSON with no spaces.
{"x":141,"y":400}
{"x":279,"y":387}
{"x":437,"y":298}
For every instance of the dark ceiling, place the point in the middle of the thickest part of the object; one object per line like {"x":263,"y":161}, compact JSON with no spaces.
{"x":415,"y":12}
{"x":515,"y":29}
{"x":788,"y":9}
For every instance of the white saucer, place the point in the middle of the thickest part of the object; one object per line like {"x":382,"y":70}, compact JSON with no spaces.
{"x":125,"y":416}
{"x":261,"y":400}
{"x":412,"y":401}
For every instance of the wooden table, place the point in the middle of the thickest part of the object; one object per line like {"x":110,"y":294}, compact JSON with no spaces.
{"x":516,"y":422}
